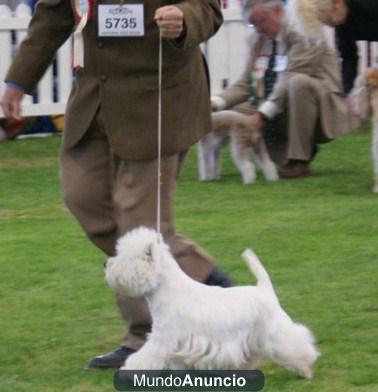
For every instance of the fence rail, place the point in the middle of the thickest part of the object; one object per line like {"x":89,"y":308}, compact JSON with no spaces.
{"x":226,"y":59}
{"x":226,"y":53}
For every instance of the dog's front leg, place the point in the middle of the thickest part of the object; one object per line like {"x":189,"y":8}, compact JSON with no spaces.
{"x":151,"y":356}
{"x":264,"y":161}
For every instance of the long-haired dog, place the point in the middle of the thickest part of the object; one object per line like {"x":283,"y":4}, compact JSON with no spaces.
{"x":205,"y":327}
{"x":365,"y":103}
{"x":245,"y":141}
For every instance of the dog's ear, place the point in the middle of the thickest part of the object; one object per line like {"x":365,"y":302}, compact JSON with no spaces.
{"x":152,"y":250}
{"x":149,"y":253}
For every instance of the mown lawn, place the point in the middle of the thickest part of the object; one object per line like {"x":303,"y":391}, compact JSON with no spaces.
{"x":318,"y":237}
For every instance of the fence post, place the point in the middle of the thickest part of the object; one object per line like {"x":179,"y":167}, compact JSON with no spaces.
{"x":227,"y":51}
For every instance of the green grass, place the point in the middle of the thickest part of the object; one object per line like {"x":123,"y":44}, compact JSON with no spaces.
{"x":318,"y":238}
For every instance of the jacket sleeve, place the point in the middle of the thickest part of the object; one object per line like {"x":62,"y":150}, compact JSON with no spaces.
{"x":49,"y":28}
{"x":202,"y":20}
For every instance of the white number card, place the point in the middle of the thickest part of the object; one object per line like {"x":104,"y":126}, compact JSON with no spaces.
{"x":121,"y":20}
{"x":280,"y":63}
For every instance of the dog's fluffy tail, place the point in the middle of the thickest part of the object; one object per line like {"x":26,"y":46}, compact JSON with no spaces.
{"x":256,"y":267}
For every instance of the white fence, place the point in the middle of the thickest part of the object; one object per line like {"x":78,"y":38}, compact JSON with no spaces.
{"x":226,"y":59}
{"x":226,"y":54}
{"x":227,"y":51}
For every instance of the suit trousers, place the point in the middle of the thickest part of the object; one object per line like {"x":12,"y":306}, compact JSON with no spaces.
{"x":110,"y":196}
{"x":303,"y":110}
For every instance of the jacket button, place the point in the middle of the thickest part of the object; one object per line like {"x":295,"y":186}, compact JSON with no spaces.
{"x":103,"y":77}
{"x":100,"y":44}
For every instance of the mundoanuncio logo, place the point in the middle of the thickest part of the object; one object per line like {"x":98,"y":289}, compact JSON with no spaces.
{"x":196,"y":380}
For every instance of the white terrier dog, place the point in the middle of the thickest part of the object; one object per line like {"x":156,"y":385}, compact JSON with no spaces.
{"x":365,"y":103}
{"x":245,"y":141}
{"x":205,"y":327}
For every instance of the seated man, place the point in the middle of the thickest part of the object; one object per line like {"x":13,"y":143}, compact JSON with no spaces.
{"x":307,"y":91}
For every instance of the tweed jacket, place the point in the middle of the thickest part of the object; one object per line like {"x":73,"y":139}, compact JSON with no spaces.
{"x":120,"y":76}
{"x":317,"y":61}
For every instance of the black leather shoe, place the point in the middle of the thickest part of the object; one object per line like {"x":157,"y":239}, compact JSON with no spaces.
{"x":218,"y":278}
{"x":112,"y":360}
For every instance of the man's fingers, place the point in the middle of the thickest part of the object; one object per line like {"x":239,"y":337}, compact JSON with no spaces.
{"x":168,"y":13}
{"x":11,"y":103}
{"x":11,"y":110}
{"x":170,"y":20}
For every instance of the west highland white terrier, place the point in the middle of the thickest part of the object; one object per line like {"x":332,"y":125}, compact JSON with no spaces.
{"x":205,"y":327}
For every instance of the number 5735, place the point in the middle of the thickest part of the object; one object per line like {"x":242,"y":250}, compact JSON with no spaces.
{"x":123,"y":23}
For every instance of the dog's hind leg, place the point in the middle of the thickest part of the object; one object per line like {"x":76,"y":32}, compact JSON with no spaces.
{"x":262,"y":158}
{"x":208,"y":157}
{"x":202,"y":162}
{"x":240,"y":156}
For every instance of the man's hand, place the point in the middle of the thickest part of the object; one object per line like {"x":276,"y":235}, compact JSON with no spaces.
{"x":214,"y":106}
{"x":170,"y":20}
{"x":256,"y":120}
{"x":11,"y":103}
{"x":250,"y":127}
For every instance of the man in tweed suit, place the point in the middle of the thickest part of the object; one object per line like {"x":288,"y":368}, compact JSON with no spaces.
{"x":308,"y":90}
{"x":109,"y":151}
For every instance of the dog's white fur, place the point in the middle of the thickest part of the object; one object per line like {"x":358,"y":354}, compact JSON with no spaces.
{"x":365,"y":103}
{"x":205,"y":327}
{"x":245,"y":141}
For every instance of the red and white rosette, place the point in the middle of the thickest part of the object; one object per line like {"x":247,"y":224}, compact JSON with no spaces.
{"x":83,"y":11}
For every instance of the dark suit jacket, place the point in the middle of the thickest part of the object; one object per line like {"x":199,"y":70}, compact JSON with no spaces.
{"x":121,"y":76}
{"x":361,"y":25}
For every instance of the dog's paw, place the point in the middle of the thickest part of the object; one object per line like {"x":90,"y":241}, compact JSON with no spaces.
{"x":375,"y":188}
{"x":248,"y":173}
{"x":248,"y":178}
{"x":272,"y":176}
{"x":269,"y":170}
{"x":306,"y":373}
{"x":209,"y":177}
